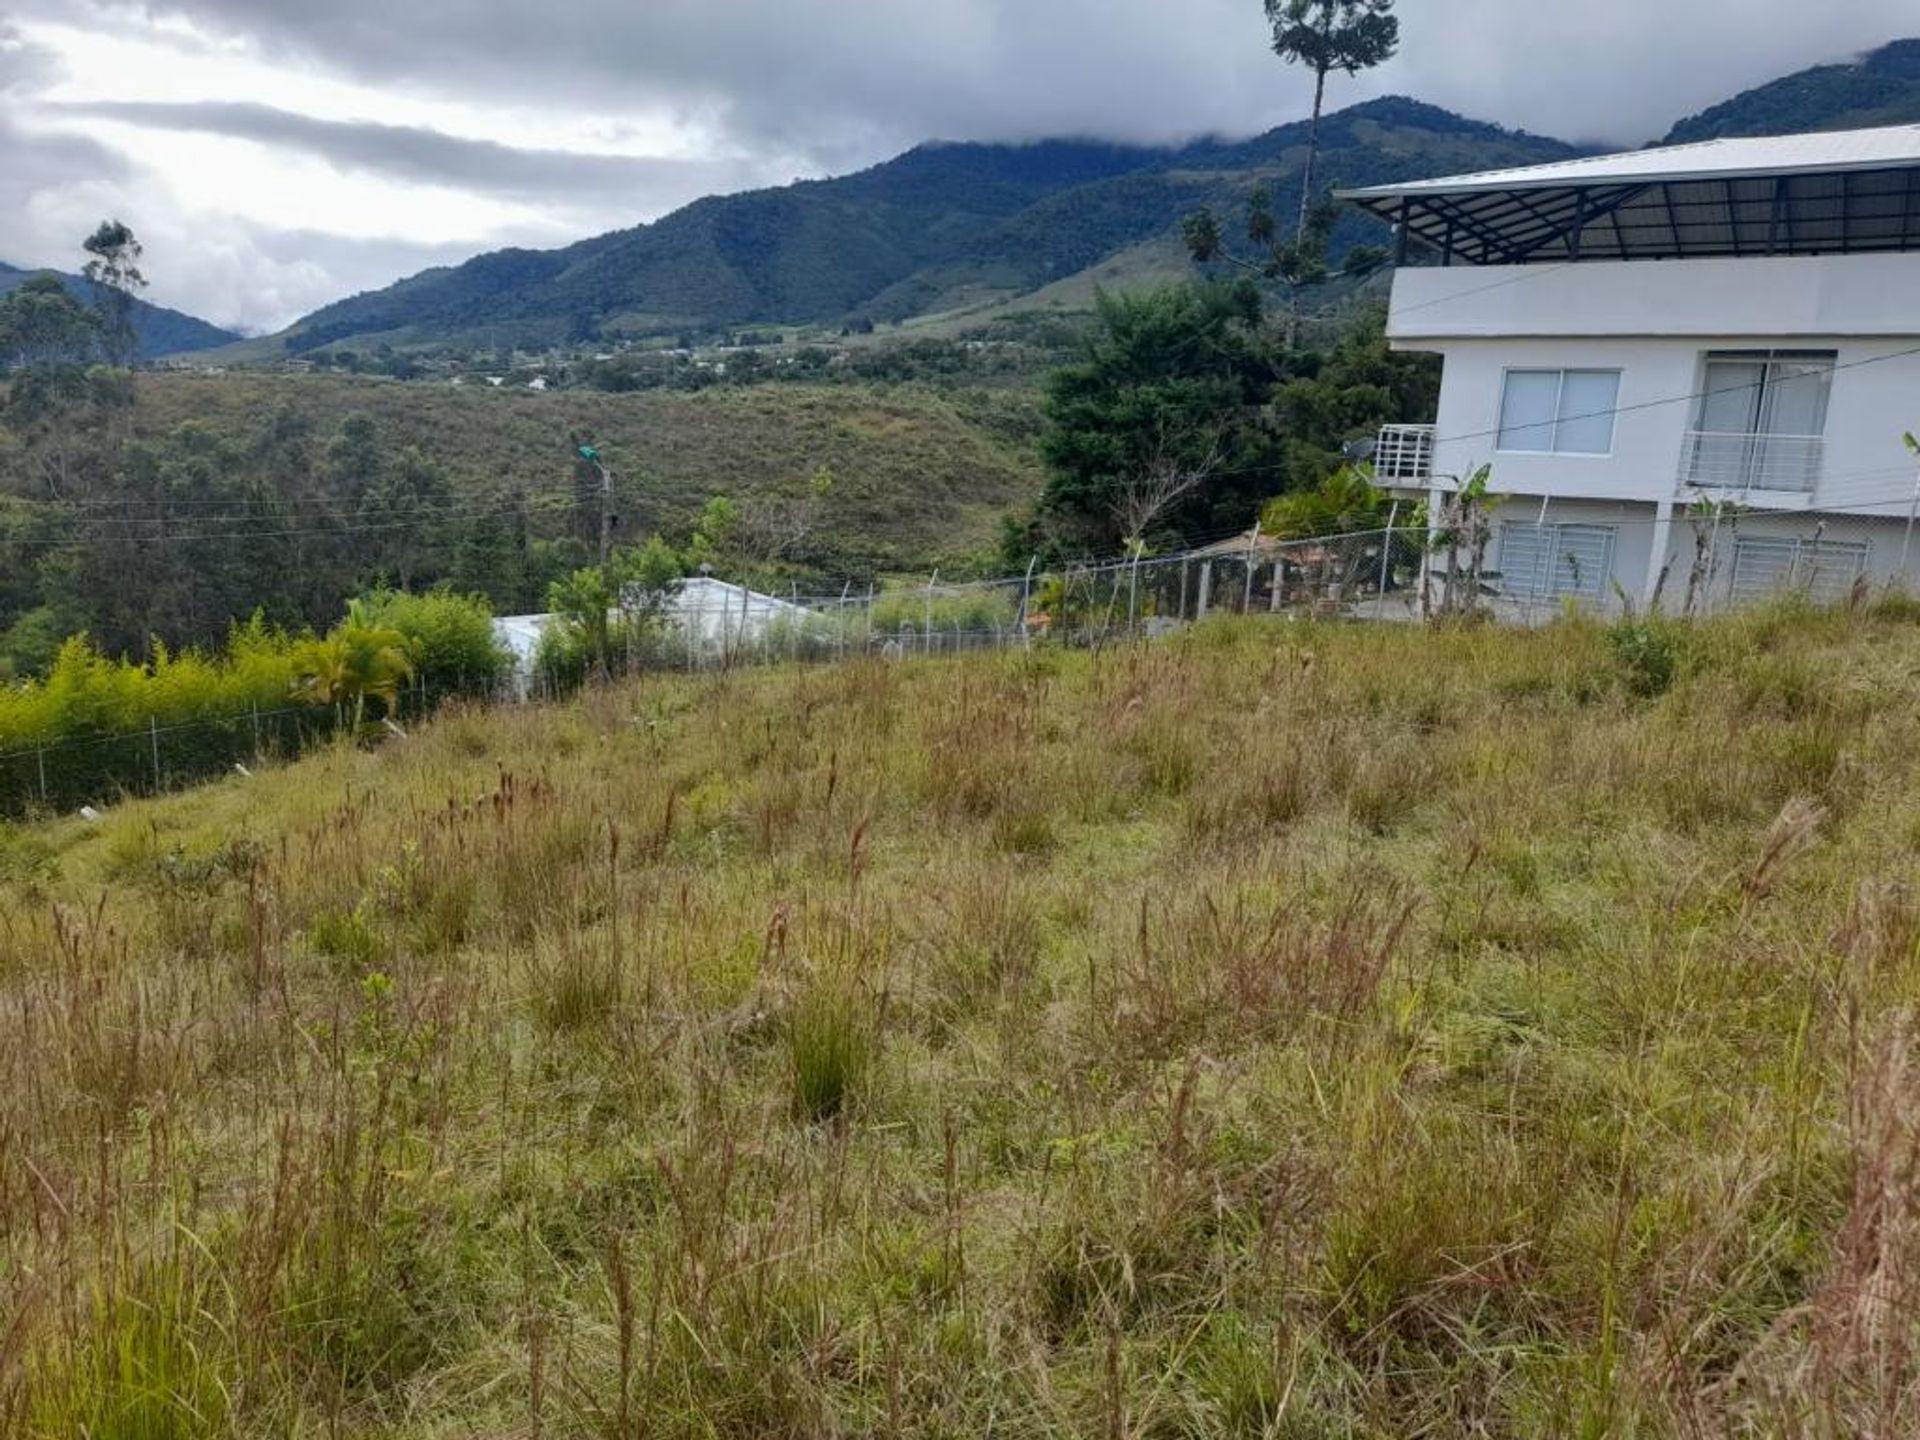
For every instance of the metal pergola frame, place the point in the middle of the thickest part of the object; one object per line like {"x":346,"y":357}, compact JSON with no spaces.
{"x":1699,"y":216}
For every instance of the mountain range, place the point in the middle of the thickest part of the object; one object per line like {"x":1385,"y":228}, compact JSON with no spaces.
{"x":161,"y":331}
{"x":960,"y":229}
{"x":944,"y":227}
{"x":1880,"y":88}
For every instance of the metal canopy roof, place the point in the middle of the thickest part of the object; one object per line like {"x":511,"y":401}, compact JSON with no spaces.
{"x":1832,"y":194}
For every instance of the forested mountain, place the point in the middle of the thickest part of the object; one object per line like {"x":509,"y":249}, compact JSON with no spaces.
{"x":161,"y":331}
{"x":1881,"y":88}
{"x":939,"y":227}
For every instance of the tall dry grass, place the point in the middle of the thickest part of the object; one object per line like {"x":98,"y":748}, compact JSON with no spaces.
{"x":1284,"y":1031}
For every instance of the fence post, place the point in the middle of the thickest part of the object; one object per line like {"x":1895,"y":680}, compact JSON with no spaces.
{"x":40,"y":755}
{"x":1279,"y":583}
{"x":1253,"y":546}
{"x":255,"y":710}
{"x":926,"y":630}
{"x":1184,"y":563}
{"x":1906,"y":544}
{"x":1550,"y":536}
{"x":1206,"y":590}
{"x":1026,"y":602}
{"x":1386,"y":558}
{"x":153,"y":737}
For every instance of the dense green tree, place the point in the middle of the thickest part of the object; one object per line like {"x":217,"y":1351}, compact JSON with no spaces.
{"x":178,"y":541}
{"x":66,"y":423}
{"x":1187,"y":415}
{"x":402,"y":515}
{"x":490,"y":557}
{"x":114,"y":272}
{"x":356,"y":458}
{"x":42,"y":324}
{"x":1344,"y":395}
{"x":1175,"y":379}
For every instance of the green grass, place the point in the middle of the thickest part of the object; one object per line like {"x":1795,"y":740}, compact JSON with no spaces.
{"x":1286,"y":1030}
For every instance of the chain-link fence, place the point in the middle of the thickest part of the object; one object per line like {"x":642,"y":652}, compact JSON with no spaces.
{"x":68,"y":772}
{"x":1372,"y":575}
{"x":1518,"y":572}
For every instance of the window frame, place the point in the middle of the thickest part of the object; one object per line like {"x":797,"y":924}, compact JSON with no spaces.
{"x":1554,"y":589}
{"x":1797,"y":546}
{"x":1767,"y":360}
{"x":1560,"y":372}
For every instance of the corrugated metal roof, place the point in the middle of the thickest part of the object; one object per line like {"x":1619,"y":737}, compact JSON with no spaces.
{"x":1890,"y":147}
{"x":1848,"y":192}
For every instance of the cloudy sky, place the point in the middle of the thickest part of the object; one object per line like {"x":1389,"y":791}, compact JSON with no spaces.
{"x":277,"y":154}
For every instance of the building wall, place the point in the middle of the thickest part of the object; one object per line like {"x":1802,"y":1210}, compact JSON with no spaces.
{"x":1859,"y":295}
{"x":1866,"y":467}
{"x":1827,"y":549}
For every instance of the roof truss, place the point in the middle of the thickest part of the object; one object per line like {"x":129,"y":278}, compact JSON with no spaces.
{"x":1832,"y":213}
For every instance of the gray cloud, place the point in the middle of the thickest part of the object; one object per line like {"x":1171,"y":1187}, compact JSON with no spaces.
{"x":24,"y":66}
{"x":842,"y":78}
{"x":639,"y":185}
{"x":770,"y":89}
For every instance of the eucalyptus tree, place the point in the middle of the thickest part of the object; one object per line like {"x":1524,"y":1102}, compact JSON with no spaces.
{"x":115,"y":275}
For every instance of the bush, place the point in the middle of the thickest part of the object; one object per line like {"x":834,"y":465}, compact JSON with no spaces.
{"x":1647,"y":653}
{"x":450,"y":640}
{"x":94,"y":727}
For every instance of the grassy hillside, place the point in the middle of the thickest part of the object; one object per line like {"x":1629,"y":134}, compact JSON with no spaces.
{"x":161,"y":331}
{"x":1880,"y":88}
{"x":921,"y":477}
{"x":1285,"y":1031}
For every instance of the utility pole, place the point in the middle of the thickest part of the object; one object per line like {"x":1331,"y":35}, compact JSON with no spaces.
{"x":590,"y":453}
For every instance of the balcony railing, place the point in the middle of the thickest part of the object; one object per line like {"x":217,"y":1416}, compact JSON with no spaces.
{"x":1404,"y":455}
{"x":1721,"y":460}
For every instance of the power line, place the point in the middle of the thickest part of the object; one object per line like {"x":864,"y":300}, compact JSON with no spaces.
{"x":408,"y":520}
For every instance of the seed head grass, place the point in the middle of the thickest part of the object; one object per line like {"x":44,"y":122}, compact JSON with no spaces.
{"x":1282,"y":1030}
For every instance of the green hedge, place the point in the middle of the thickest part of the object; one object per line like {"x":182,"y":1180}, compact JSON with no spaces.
{"x":97,"y":728}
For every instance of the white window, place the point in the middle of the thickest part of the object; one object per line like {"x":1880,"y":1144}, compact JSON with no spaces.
{"x":1559,"y":412}
{"x":1538,"y":561}
{"x":1766,"y":392}
{"x":1823,"y":569}
{"x":1760,"y":420}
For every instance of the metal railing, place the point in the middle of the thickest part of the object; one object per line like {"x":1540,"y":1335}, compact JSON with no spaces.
{"x":1404,"y":455}
{"x":1731,"y":461}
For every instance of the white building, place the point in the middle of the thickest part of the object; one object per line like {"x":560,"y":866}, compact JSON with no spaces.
{"x":714,"y":618}
{"x":1631,"y":339}
{"x":715,"y":614}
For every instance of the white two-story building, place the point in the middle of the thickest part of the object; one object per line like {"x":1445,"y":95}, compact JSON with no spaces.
{"x":1631,"y":339}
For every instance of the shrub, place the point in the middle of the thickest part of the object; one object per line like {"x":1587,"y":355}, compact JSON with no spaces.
{"x":450,"y":639}
{"x":1647,"y":654}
